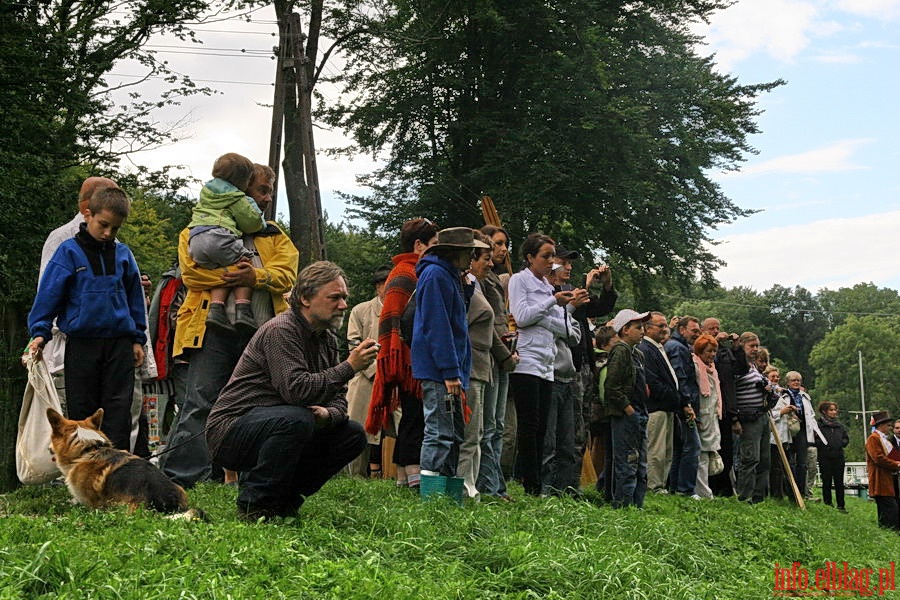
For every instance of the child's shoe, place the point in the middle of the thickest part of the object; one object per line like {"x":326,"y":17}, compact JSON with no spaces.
{"x":243,"y":318}
{"x":217,"y":318}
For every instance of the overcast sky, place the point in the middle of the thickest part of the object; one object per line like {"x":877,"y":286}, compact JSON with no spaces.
{"x":824,"y":179}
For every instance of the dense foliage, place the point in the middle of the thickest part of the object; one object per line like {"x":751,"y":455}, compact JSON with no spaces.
{"x":592,"y":120}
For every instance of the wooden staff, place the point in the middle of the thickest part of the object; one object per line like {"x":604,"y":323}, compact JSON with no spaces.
{"x":491,"y":217}
{"x":784,"y":463}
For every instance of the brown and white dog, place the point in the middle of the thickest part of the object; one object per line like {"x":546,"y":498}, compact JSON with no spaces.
{"x":99,"y":475}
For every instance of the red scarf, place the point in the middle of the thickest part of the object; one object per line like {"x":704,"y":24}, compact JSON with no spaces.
{"x":393,"y":374}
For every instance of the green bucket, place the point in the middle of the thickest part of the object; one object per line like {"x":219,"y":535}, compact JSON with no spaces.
{"x":431,"y":486}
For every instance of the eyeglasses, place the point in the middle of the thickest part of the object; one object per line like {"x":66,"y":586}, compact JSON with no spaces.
{"x":660,"y":325}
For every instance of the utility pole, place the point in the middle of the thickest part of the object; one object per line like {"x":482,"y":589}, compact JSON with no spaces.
{"x":301,"y":177}
{"x":275,"y":139}
{"x":862,"y":397}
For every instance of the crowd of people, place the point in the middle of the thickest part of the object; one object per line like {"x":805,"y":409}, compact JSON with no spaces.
{"x":478,"y":372}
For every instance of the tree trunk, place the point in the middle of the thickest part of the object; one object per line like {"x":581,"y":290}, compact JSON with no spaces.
{"x":301,"y":179}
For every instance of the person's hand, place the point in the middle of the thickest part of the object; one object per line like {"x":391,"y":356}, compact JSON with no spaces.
{"x":629,"y":410}
{"x":241,"y":274}
{"x":454,"y":386}
{"x":138,"y":355}
{"x":321,"y":414}
{"x":36,"y":347}
{"x":364,"y":354}
{"x":788,"y":409}
{"x":514,"y":357}
{"x":600,"y":274}
{"x":689,"y":413}
{"x":673,"y":323}
{"x":564,"y":297}
{"x":580,"y":298}
{"x":736,"y":428}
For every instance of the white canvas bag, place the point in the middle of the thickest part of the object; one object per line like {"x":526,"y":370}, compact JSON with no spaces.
{"x":34,"y":463}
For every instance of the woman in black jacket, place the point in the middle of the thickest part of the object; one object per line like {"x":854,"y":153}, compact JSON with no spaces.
{"x":831,"y":456}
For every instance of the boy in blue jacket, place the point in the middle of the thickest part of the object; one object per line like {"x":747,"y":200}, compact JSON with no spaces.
{"x":92,"y":286}
{"x":441,"y":354}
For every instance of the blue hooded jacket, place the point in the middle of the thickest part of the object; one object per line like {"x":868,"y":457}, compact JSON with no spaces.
{"x":93,"y":289}
{"x":440,"y":348}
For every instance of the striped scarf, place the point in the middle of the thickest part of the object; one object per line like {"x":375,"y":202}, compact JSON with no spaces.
{"x":393,"y":375}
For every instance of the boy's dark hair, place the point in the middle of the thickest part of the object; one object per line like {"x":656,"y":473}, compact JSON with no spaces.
{"x":603,"y":335}
{"x":416,"y":229}
{"x":112,"y":199}
{"x":235,"y":169}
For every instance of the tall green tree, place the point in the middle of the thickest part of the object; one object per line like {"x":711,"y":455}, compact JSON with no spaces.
{"x":64,"y":120}
{"x":594,"y":117}
{"x":835,"y":358}
{"x":860,"y":300}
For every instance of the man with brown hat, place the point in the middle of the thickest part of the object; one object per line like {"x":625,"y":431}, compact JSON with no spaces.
{"x":883,"y":466}
{"x":441,"y":354}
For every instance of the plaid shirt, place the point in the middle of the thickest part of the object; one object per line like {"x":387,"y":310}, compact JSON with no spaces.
{"x":286,"y":362}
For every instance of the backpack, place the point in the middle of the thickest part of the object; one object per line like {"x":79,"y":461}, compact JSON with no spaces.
{"x":407,"y":319}
{"x":167,"y":300}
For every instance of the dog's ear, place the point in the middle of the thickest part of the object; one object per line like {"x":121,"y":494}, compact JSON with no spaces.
{"x":56,"y":419}
{"x":96,"y":419}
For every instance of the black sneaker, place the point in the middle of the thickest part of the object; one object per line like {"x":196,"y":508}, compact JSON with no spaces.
{"x":217,"y":318}
{"x":243,"y":318}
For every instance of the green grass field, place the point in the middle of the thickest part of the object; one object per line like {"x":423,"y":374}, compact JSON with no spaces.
{"x":358,"y":539}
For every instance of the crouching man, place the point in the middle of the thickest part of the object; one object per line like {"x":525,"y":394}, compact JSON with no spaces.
{"x":282,"y":417}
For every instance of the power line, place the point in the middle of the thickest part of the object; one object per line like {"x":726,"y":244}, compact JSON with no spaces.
{"x":192,"y":79}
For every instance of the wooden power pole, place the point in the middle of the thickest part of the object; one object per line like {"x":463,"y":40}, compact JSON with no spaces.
{"x":301,"y":176}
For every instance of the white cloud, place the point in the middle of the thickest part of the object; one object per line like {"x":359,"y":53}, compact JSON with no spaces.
{"x":780,"y":28}
{"x":829,"y":253}
{"x":831,"y":158}
{"x":881,"y":9}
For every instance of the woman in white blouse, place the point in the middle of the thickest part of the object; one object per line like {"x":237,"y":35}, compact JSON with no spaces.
{"x":539,"y":314}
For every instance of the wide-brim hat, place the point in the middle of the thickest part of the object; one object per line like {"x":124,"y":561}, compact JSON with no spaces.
{"x":457,"y":238}
{"x":626,"y":316}
{"x":881,"y":417}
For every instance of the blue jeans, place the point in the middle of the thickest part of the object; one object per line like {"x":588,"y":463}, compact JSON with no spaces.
{"x":209,"y":370}
{"x":686,"y":460}
{"x":558,"y":471}
{"x":629,"y":446}
{"x":283,"y":458}
{"x":490,"y":476}
{"x":444,"y":428}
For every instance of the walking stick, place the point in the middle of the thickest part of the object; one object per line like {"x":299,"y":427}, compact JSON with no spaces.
{"x":784,"y":462}
{"x":491,"y":217}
